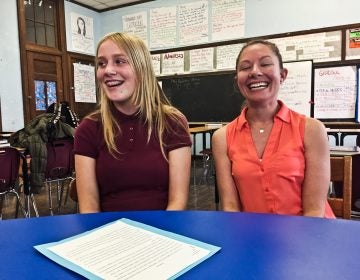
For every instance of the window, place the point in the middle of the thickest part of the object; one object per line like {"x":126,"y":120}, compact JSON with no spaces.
{"x":40,"y":22}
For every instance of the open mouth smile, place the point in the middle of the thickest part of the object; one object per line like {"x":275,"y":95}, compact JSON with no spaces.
{"x":258,"y":85}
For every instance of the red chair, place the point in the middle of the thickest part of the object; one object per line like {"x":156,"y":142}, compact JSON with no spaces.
{"x":60,"y":168}
{"x":9,"y":177}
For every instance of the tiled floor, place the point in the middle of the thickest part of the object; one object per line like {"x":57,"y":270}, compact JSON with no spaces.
{"x":202,"y":197}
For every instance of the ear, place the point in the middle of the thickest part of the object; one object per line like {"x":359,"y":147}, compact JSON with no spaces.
{"x":283,"y":75}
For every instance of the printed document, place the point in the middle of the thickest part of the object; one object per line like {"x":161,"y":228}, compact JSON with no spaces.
{"x":126,"y":249}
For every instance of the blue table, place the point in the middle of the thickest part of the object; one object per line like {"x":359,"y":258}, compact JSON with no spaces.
{"x":254,"y":246}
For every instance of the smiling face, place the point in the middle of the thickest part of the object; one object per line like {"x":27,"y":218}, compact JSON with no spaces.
{"x":116,"y":76}
{"x":259,"y":74}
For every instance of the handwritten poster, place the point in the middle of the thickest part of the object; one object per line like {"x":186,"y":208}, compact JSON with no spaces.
{"x":335,"y":92}
{"x":136,"y":24}
{"x":173,"y":63}
{"x":295,"y":92}
{"x":226,"y":56}
{"x":202,"y":59}
{"x":228,"y":19}
{"x":84,"y":83}
{"x":163,"y":27}
{"x":82,"y":33}
{"x":193,"y":23}
{"x":156,"y":60}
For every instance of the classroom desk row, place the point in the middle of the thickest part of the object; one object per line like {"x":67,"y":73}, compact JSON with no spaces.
{"x":253,"y":246}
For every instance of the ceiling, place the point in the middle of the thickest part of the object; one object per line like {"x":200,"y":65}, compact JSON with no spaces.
{"x":105,"y":5}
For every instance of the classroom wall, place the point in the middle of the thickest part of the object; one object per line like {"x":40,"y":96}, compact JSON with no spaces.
{"x":263,"y":17}
{"x":10,"y":71}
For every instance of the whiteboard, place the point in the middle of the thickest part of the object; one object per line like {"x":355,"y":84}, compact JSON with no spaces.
{"x":295,"y":92}
{"x":335,"y":92}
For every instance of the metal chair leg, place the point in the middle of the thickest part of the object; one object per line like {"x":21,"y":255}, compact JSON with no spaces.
{"x":34,"y":205}
{"x":50,"y":199}
{"x":19,"y":203}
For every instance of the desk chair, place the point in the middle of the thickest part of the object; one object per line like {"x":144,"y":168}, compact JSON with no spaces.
{"x":9,"y":177}
{"x":60,"y":168}
{"x":341,"y":178}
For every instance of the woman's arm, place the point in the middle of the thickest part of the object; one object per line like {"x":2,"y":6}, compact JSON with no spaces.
{"x":179,"y":178}
{"x":317,"y":169}
{"x":86,"y":184}
{"x":229,"y":198}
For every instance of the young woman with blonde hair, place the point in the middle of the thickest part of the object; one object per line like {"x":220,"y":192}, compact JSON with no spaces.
{"x":134,"y":152}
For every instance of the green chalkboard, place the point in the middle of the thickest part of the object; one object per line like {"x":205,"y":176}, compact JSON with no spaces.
{"x":211,"y":98}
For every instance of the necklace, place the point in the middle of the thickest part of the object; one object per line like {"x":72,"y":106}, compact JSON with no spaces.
{"x":261,"y":130}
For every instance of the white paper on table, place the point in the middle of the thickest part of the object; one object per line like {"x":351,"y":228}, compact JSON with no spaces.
{"x":128,"y":249}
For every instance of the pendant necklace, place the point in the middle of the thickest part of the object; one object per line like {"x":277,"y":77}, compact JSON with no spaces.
{"x":261,"y":130}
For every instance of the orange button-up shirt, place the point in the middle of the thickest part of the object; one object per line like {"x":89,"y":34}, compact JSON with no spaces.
{"x":272,"y":184}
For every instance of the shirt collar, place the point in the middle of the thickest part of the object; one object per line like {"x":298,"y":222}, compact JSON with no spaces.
{"x":283,"y":114}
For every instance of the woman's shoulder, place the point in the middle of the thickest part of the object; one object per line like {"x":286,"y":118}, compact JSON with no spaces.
{"x":315,"y":132}
{"x":312,"y":124}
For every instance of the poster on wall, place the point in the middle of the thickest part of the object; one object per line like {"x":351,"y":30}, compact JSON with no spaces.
{"x":202,"y":60}
{"x":173,"y":63}
{"x":84,"y":83}
{"x":228,"y":19}
{"x":352,"y":43}
{"x":136,"y":24}
{"x":335,"y":92}
{"x":163,"y":27}
{"x":226,"y":56}
{"x":193,"y":23}
{"x":82,"y":34}
{"x":156,"y":62}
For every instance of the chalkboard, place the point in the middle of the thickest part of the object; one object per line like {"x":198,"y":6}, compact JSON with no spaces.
{"x":211,"y":98}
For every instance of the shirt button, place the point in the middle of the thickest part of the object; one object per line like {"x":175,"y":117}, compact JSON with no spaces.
{"x":131,"y":140}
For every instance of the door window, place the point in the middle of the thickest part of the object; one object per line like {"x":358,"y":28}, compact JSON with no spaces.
{"x":45,"y":94}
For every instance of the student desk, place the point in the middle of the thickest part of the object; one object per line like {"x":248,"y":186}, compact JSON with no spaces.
{"x":201,"y":130}
{"x":254,"y":246}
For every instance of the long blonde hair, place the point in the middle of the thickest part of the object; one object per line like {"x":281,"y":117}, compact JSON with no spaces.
{"x":153,"y":105}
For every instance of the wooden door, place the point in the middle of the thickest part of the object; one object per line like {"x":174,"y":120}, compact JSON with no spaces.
{"x":45,"y":82}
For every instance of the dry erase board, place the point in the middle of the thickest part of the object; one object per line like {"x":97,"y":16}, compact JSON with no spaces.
{"x":211,"y":98}
{"x":296,"y":90}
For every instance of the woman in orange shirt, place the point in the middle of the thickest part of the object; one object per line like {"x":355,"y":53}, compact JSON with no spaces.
{"x":271,"y":159}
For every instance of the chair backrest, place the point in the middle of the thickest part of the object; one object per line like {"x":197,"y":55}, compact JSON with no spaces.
{"x":341,"y":174}
{"x":9,"y":168}
{"x":60,"y":159}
